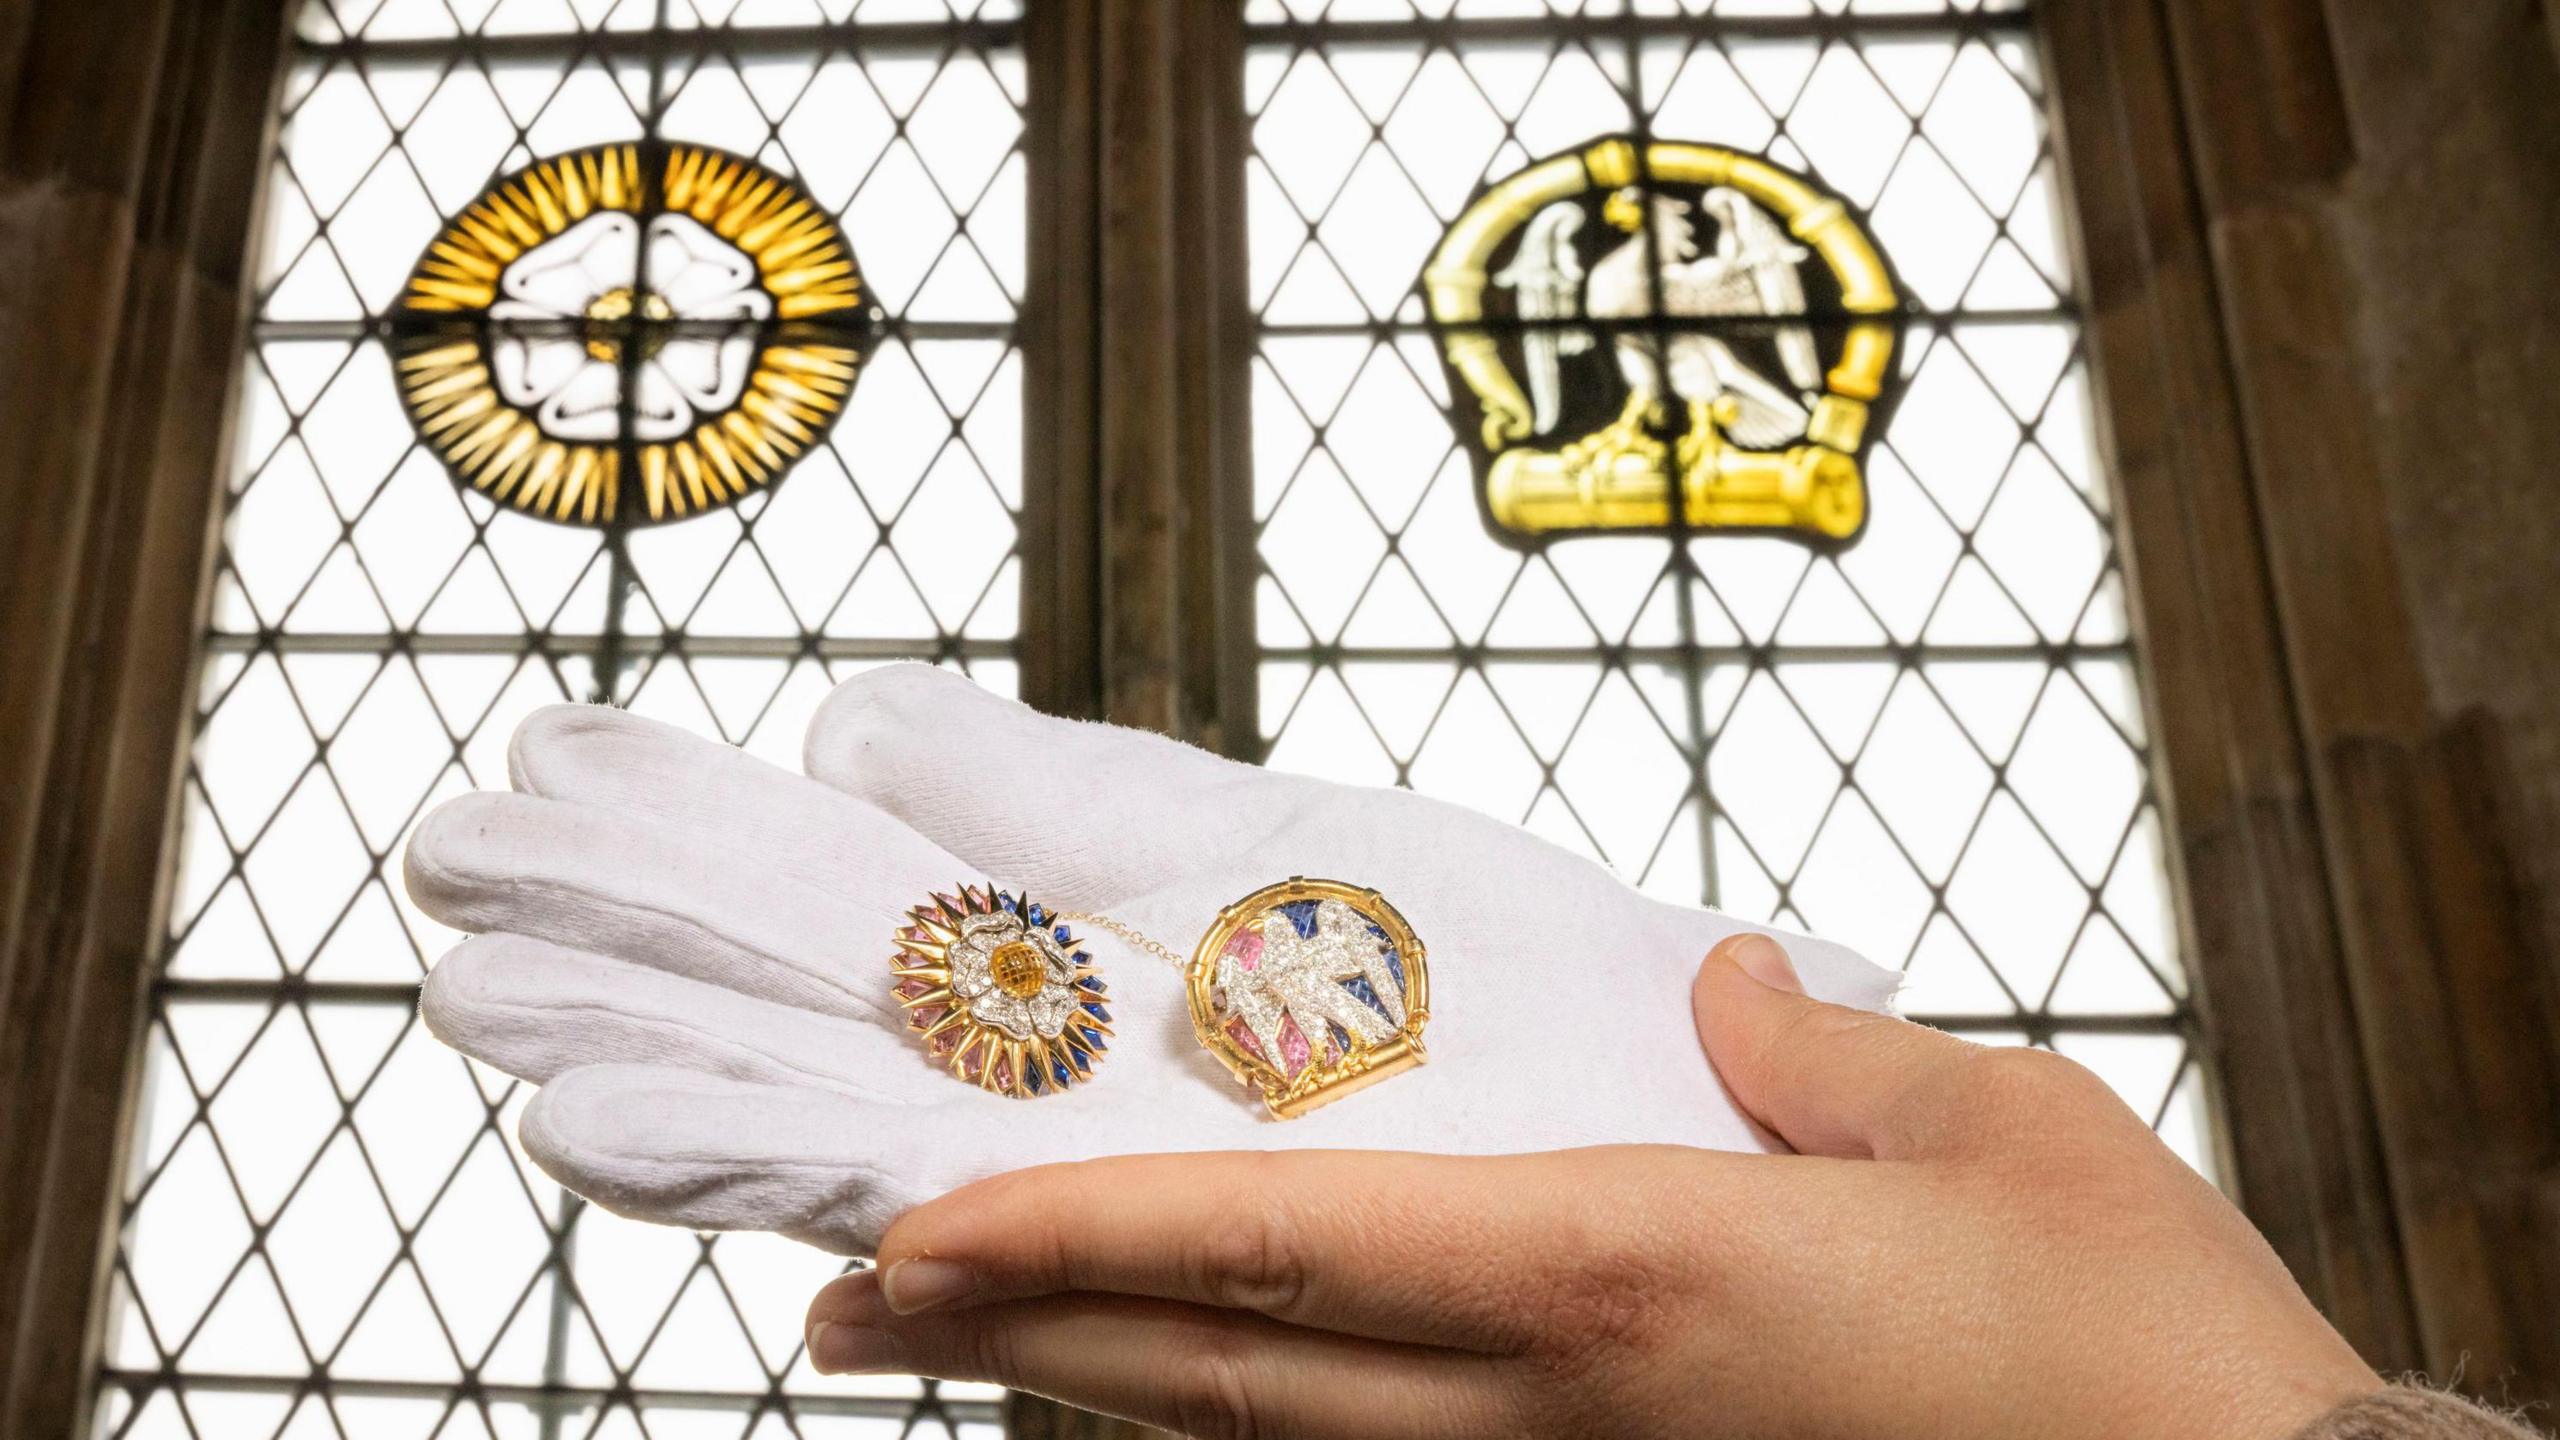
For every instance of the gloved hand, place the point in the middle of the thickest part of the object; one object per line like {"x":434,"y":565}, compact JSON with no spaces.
{"x":688,"y":949}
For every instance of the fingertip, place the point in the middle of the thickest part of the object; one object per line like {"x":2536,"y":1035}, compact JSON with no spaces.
{"x":853,"y":1298}
{"x":589,"y":1128}
{"x":456,"y":988}
{"x":927,"y":1282}
{"x":554,"y":748}
{"x":537,"y":735}
{"x":949,"y":1223}
{"x":502,"y":998}
{"x":436,"y":866}
{"x":544,"y":1140}
{"x":1836,"y":973}
{"x":1761,"y":958}
{"x":881,"y":702}
{"x":1740,"y":972}
{"x":1747,"y":992}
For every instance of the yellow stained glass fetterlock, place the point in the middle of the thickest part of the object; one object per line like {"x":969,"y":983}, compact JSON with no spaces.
{"x":1740,"y":451}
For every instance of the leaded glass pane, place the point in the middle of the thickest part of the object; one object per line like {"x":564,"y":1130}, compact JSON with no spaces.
{"x":319,"y":1192}
{"x":1928,"y":743}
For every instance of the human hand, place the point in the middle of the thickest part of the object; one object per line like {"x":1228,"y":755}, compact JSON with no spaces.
{"x":1977,"y":1243}
{"x":688,"y":949}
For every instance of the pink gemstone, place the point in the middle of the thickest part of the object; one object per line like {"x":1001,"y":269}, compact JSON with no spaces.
{"x":1247,"y":948}
{"x":911,"y":988}
{"x":916,"y":932}
{"x":923,"y":1016}
{"x":1294,"y":1054}
{"x":1242,"y":1034}
{"x":1004,"y":1074}
{"x":944,"y":1043}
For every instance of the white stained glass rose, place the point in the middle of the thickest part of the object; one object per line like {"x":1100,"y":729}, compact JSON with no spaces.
{"x":581,"y":292}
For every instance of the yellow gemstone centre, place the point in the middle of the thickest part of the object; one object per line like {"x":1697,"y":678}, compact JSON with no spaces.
{"x":1019,"y":968}
{"x":606,"y":317}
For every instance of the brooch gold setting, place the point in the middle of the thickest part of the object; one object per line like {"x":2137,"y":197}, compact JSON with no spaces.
{"x":1309,"y":990}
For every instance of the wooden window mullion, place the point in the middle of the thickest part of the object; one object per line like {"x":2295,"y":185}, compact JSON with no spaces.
{"x":1144,"y":531}
{"x":126,"y":221}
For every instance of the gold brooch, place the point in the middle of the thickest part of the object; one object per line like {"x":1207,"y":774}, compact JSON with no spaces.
{"x":1309,"y":990}
{"x":1001,"y":993}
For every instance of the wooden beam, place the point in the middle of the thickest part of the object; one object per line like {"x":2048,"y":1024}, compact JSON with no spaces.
{"x":1061,"y":538}
{"x":1136,"y":375}
{"x":2302,"y":1150}
{"x":1216,"y":646}
{"x":131,"y":154}
{"x":2435,"y":967}
{"x":1137,"y":382}
{"x":2377,"y":1016}
{"x":1140,"y":416}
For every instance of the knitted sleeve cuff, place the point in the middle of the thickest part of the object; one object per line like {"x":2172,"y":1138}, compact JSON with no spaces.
{"x":2402,"y":1413}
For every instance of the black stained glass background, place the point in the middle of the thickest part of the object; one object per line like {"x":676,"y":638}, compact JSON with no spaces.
{"x":327,"y":1230}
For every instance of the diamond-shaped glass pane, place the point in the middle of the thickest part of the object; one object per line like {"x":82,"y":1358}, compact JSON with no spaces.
{"x":1929,"y":744}
{"x":319,"y":1188}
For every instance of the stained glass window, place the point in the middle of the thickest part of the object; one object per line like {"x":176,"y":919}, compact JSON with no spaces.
{"x":328,"y":1231}
{"x":1928,"y":743}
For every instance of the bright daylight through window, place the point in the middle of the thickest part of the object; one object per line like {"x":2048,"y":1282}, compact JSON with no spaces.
{"x":1927,"y":742}
{"x":663,"y":352}
{"x":318,"y":1187}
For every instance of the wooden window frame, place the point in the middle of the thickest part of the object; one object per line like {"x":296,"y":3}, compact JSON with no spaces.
{"x":2355,"y":942}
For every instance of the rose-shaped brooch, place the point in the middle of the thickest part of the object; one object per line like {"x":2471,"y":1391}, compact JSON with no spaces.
{"x":1001,"y":992}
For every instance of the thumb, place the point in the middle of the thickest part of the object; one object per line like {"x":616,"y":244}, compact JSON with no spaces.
{"x":1827,"y":1079}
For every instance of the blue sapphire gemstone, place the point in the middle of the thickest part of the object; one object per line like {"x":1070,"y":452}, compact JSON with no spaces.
{"x":1007,"y":901}
{"x":1378,"y":930}
{"x":1092,"y":983}
{"x":1092,"y":1036}
{"x":1084,"y":1063}
{"x":1395,"y":967}
{"x":1097,"y":1012}
{"x":1301,"y":913}
{"x":1031,"y":1077}
{"x":1064,"y":1076}
{"x":1358,"y":985}
{"x":1039,"y":916}
{"x":1341,"y":1037}
{"x":1062,"y":937}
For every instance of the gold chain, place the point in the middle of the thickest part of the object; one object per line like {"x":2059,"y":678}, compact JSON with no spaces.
{"x":1126,"y":933}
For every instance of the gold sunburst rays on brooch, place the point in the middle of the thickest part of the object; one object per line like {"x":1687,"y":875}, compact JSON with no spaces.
{"x":1001,"y":993}
{"x":627,"y":332}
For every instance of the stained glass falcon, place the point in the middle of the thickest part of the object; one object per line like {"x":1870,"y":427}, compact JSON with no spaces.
{"x":1749,"y":324}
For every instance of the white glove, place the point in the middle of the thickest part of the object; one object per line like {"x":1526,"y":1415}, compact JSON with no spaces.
{"x":688,"y":949}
